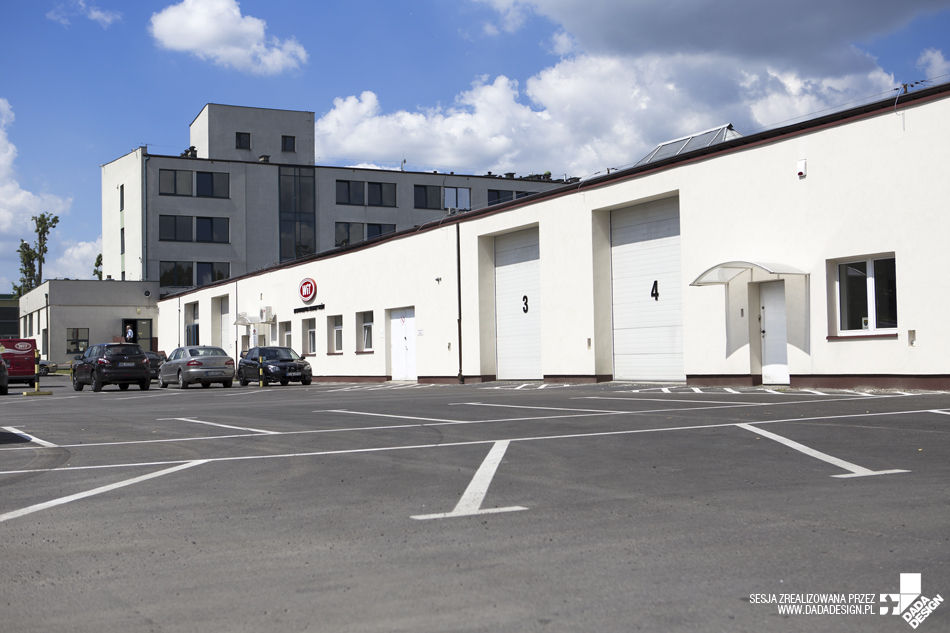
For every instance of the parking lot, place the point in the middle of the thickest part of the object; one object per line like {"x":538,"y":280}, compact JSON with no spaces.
{"x":493,"y":507}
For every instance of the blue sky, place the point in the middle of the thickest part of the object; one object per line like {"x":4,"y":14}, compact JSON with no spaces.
{"x":570,"y":86}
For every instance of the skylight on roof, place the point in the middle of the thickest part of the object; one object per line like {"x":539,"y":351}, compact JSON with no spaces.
{"x":689,"y":143}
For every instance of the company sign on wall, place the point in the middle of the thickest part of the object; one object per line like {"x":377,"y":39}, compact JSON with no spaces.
{"x":307,"y":290}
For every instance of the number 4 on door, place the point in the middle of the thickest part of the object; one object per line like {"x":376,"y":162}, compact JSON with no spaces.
{"x":655,"y":291}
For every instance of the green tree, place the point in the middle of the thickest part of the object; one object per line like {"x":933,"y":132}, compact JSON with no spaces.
{"x":97,"y":269}
{"x":27,"y":269}
{"x":32,"y":257}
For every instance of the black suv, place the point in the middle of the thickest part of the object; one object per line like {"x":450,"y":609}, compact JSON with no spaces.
{"x":281,"y":364}
{"x":111,"y":364}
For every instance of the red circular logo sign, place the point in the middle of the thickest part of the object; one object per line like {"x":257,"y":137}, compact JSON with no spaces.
{"x":307,"y":289}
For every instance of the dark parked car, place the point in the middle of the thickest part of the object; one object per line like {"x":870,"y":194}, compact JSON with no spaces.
{"x":197,"y":363}
{"x":120,"y":364}
{"x":4,"y":378}
{"x":155,"y":361}
{"x":281,"y":364}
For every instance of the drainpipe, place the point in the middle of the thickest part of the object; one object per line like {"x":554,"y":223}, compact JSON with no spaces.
{"x":458,"y":270}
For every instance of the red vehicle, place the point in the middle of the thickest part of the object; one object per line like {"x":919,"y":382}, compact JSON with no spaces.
{"x":20,"y":354}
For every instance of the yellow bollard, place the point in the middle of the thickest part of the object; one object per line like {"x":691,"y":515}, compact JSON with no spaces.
{"x":36,"y":377}
{"x":260,"y":371}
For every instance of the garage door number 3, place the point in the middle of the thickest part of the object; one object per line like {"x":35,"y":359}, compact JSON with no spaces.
{"x":525,"y":308}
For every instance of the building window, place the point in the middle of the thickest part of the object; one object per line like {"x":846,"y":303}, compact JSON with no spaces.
{"x":288,"y":143}
{"x":242,"y":140}
{"x":174,"y":182}
{"x":382,"y":194}
{"x":348,"y":233}
{"x":349,"y":192}
{"x":121,"y":197}
{"x":367,"y":342}
{"x":29,"y":324}
{"x":174,"y":228}
{"x":212,"y":184}
{"x":373,"y":230}
{"x":427,"y":197}
{"x":77,"y":340}
{"x":175,"y":274}
{"x":867,"y":295}
{"x":212,"y":230}
{"x":297,"y":213}
{"x":210,"y":272}
{"x":335,"y":334}
{"x":310,"y":327}
{"x":497,"y":196}
{"x":458,"y":198}
{"x":121,"y":241}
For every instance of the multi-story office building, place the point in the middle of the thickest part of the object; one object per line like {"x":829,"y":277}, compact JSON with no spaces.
{"x":246,"y":195}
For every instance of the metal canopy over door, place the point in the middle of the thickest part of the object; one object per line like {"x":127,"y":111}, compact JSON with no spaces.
{"x":518,"y":305}
{"x":647,"y":291}
{"x":402,"y":341}
{"x":774,"y":335}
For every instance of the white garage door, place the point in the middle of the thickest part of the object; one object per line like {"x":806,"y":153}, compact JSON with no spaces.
{"x":518,"y":306}
{"x":647,"y":291}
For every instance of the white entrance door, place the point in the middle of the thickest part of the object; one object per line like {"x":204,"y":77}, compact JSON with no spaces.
{"x":774,"y":337}
{"x":518,"y":306}
{"x":647,"y":291}
{"x":402,"y":341}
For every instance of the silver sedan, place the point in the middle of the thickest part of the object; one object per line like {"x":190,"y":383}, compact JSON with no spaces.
{"x":196,"y":363}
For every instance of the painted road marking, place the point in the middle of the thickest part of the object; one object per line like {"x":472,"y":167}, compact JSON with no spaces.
{"x":856,"y":471}
{"x":89,"y":493}
{"x":471,"y":502}
{"x":31,"y":438}
{"x":380,"y":449}
{"x":223,"y":426}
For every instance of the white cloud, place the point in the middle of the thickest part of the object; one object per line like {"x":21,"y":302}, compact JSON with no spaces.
{"x":76,"y":262}
{"x":215,"y":30}
{"x":63,"y":12}
{"x":932,"y":62}
{"x":18,"y":205}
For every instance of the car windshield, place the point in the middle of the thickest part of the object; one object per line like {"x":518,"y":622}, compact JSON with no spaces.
{"x":206,"y":351}
{"x":279,"y":353}
{"x":124,"y":350}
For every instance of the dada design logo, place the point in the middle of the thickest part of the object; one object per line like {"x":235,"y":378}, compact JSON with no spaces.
{"x":910,"y":603}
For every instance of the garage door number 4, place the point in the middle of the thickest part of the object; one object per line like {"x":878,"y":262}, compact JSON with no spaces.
{"x":655,"y":291}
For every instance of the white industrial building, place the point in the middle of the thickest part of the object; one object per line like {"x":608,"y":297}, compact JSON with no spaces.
{"x":802,"y":255}
{"x":246,"y":195}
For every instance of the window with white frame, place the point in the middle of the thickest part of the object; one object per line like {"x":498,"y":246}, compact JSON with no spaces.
{"x":335,"y":334}
{"x":867,"y":295}
{"x":366,"y":343}
{"x":310,"y":326}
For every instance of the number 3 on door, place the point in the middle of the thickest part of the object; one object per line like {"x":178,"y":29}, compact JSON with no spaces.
{"x":655,"y":291}
{"x":525,"y":308}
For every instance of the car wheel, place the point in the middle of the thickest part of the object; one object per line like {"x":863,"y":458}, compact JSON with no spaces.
{"x":181,"y":382}
{"x":124,"y":386}
{"x":30,"y":383}
{"x":161,"y":381}
{"x":96,"y":381}
{"x":285,"y":382}
{"x":306,"y":381}
{"x":205,"y":384}
{"x":44,"y":371}
{"x":145,"y":384}
{"x":263,"y":382}
{"x":241,"y":379}
{"x":77,"y":386}
{"x":4,"y":390}
{"x":226,"y":384}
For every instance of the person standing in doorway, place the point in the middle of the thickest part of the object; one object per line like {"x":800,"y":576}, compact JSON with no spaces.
{"x":128,"y":333}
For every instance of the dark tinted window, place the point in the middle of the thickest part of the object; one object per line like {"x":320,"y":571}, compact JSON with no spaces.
{"x":349,"y":192}
{"x":174,"y":228}
{"x":382,"y":194}
{"x":372,"y":230}
{"x":124,"y":350}
{"x":212,"y":184}
{"x":427,"y":197}
{"x":242,"y":140}
{"x":212,"y":230}
{"x":288,"y":143}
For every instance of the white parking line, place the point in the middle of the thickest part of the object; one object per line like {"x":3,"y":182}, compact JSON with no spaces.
{"x":223,"y":426}
{"x":29,"y":437}
{"x":96,"y":491}
{"x":471,"y":502}
{"x":855,"y":470}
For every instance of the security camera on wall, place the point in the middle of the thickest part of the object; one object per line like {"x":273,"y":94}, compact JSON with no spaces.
{"x":148,"y":293}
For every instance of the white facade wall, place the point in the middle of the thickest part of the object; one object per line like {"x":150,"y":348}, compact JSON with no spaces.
{"x":123,"y":174}
{"x":873,"y":186}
